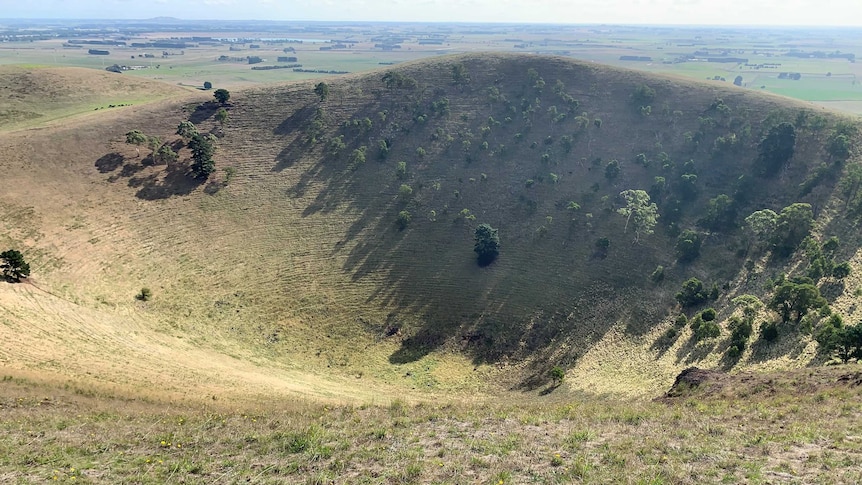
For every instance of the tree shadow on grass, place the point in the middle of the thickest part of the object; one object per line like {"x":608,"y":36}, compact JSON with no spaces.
{"x":156,"y":183}
{"x":110,"y":162}
{"x":789,"y":343}
{"x":694,"y":350}
{"x":298,"y":147}
{"x":174,"y":181}
{"x":831,"y":290}
{"x":204,"y":111}
{"x":666,"y":340}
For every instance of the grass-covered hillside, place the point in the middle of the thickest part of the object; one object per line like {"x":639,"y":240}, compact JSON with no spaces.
{"x":335,"y":241}
{"x":34,"y":95}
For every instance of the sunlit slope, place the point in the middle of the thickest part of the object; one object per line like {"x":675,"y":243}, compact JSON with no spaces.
{"x":34,"y":95}
{"x":295,"y":257}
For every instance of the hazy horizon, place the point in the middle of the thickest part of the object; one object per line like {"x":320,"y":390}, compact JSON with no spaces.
{"x":788,"y":13}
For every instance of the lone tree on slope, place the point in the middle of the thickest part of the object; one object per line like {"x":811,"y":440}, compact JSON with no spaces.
{"x":639,"y":211}
{"x":221,"y":95}
{"x":222,"y":116}
{"x":487,"y":245}
{"x":13,"y":265}
{"x":322,"y":91}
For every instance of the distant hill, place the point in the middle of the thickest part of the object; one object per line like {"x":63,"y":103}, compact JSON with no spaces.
{"x":338,"y":233}
{"x":38,"y":94}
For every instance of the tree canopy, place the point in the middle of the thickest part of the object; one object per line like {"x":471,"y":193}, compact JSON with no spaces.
{"x":639,"y":212}
{"x":761,"y":225}
{"x":487,"y":245}
{"x":692,"y":293}
{"x":792,"y":227}
{"x":688,"y":245}
{"x":221,"y":95}
{"x":221,"y":116}
{"x":322,"y":90}
{"x":136,"y":137}
{"x":13,"y":265}
{"x":777,"y":148}
{"x":796,"y":297}
{"x":187,"y":129}
{"x":203,"y":148}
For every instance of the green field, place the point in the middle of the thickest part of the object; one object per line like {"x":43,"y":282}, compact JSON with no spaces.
{"x":664,"y":45}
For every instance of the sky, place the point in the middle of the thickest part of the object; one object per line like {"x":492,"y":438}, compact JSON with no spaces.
{"x":693,"y":12}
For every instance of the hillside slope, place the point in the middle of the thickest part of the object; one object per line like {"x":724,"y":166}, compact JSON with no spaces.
{"x":35,"y":95}
{"x":318,"y":250}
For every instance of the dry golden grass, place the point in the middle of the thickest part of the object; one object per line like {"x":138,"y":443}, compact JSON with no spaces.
{"x":36,"y":95}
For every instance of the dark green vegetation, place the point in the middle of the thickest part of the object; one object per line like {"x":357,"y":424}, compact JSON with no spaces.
{"x":203,"y":147}
{"x":13,"y":265}
{"x":487,"y":245}
{"x":690,"y":165}
{"x":221,"y":95}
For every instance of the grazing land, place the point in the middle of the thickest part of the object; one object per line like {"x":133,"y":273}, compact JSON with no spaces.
{"x":242,"y":53}
{"x":324,"y":307}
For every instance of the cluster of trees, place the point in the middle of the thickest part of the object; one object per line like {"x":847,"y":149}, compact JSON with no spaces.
{"x":688,"y":245}
{"x":705,"y":326}
{"x":741,"y":329}
{"x":694,"y":293}
{"x":821,"y":260}
{"x":781,"y":232}
{"x":161,"y":153}
{"x":842,"y":341}
{"x":795,"y":297}
{"x":203,"y":147}
{"x":397,"y":80}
